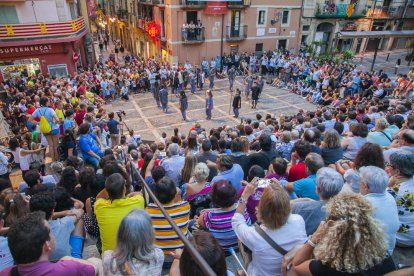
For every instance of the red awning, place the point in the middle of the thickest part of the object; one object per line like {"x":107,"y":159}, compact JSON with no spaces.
{"x":216,"y":8}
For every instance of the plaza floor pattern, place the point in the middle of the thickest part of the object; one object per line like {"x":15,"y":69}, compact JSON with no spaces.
{"x":143,"y":115}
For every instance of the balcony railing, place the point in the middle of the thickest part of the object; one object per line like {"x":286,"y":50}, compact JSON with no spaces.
{"x":337,"y":11}
{"x":234,"y":33}
{"x":385,"y":12}
{"x":192,"y":35}
{"x":193,"y":4}
{"x":41,"y":30}
{"x":238,"y":4}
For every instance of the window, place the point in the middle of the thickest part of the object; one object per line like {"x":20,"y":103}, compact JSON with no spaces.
{"x":285,"y":17}
{"x":8,"y":15}
{"x":58,"y":70}
{"x":162,"y":23}
{"x":305,"y":27}
{"x":282,"y":44}
{"x":261,"y":18}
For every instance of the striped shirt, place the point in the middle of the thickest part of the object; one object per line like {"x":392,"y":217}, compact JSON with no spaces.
{"x":165,"y":237}
{"x":218,"y":223}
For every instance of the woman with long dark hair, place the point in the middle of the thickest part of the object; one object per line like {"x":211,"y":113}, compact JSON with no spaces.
{"x":68,"y":145}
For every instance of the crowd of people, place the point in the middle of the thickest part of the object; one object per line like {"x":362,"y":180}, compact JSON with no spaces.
{"x":322,"y":192}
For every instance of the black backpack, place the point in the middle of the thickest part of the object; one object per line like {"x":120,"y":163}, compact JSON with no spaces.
{"x":199,"y":203}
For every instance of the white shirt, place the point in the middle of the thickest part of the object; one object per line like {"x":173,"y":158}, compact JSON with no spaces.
{"x":3,"y":164}
{"x":265,"y":259}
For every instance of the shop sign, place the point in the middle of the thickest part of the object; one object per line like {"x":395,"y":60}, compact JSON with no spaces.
{"x":75,"y":57}
{"x":26,"y":50}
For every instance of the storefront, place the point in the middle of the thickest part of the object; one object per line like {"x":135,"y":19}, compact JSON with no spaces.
{"x":56,"y":48}
{"x":46,"y":58}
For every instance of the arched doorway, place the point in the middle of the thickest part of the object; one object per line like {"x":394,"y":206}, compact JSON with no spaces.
{"x":324,"y":34}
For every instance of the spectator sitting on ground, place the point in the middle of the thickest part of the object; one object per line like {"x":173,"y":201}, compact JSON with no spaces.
{"x":297,"y":169}
{"x":401,"y":187}
{"x":135,"y":254}
{"x":32,"y":249}
{"x":66,"y":226}
{"x":328,"y":184}
{"x":174,"y":163}
{"x":373,"y":187}
{"x":264,"y":157}
{"x":228,"y":170}
{"x":110,"y":209}
{"x":306,"y":187}
{"x":165,"y":237}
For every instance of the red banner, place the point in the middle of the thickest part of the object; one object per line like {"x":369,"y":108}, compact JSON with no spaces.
{"x":216,"y":8}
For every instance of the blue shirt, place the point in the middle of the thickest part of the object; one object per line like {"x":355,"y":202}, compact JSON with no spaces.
{"x":87,"y":143}
{"x":113,"y":126}
{"x":173,"y":166}
{"x":385,"y":210}
{"x":234,"y":176}
{"x":306,"y":187}
{"x":68,"y":124}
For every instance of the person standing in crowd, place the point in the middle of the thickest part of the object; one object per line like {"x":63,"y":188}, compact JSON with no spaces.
{"x":209,"y":104}
{"x":52,"y":136}
{"x":236,"y":103}
{"x":164,"y":98}
{"x":112,"y":125}
{"x":183,"y":104}
{"x":231,"y":75}
{"x":211,"y":76}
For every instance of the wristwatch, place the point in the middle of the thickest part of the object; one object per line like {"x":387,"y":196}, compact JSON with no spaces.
{"x":242,"y":200}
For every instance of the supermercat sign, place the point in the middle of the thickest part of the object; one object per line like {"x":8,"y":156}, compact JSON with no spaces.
{"x":37,"y":49}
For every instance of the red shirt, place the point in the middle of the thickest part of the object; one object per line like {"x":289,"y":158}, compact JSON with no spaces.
{"x":79,"y":117}
{"x":141,"y":162}
{"x":297,"y":172}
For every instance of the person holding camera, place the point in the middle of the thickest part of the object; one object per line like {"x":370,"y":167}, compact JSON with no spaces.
{"x":112,"y":125}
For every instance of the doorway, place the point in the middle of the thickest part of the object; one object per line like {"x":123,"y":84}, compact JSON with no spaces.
{"x":259,"y":49}
{"x":192,"y":17}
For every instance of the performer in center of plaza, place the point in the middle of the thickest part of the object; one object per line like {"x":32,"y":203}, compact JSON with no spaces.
{"x":231,"y":73}
{"x":183,"y":104}
{"x":164,"y":98}
{"x":237,"y":103}
{"x":211,"y":77}
{"x":209,"y":104}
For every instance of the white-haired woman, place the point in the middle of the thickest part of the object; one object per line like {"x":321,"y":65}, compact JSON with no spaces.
{"x":350,"y":242}
{"x":378,"y":136}
{"x":135,"y":253}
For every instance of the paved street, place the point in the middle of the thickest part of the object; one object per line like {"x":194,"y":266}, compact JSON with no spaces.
{"x":146,"y":119}
{"x":381,"y":61}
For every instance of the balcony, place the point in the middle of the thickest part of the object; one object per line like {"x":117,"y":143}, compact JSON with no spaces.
{"x":192,"y":35}
{"x":385,"y":12}
{"x":337,"y":11}
{"x":41,"y":30}
{"x":236,"y":33}
{"x":193,"y":4}
{"x":238,"y":4}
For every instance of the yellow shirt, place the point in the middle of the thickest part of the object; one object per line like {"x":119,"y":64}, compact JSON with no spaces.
{"x":59,"y":114}
{"x":75,"y":100}
{"x":90,"y":96}
{"x":109,"y":215}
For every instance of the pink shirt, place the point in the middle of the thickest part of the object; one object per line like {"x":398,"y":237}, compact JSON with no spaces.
{"x":61,"y":268}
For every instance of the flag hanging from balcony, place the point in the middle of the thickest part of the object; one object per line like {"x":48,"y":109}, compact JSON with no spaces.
{"x":216,"y":8}
{"x":153,"y":30}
